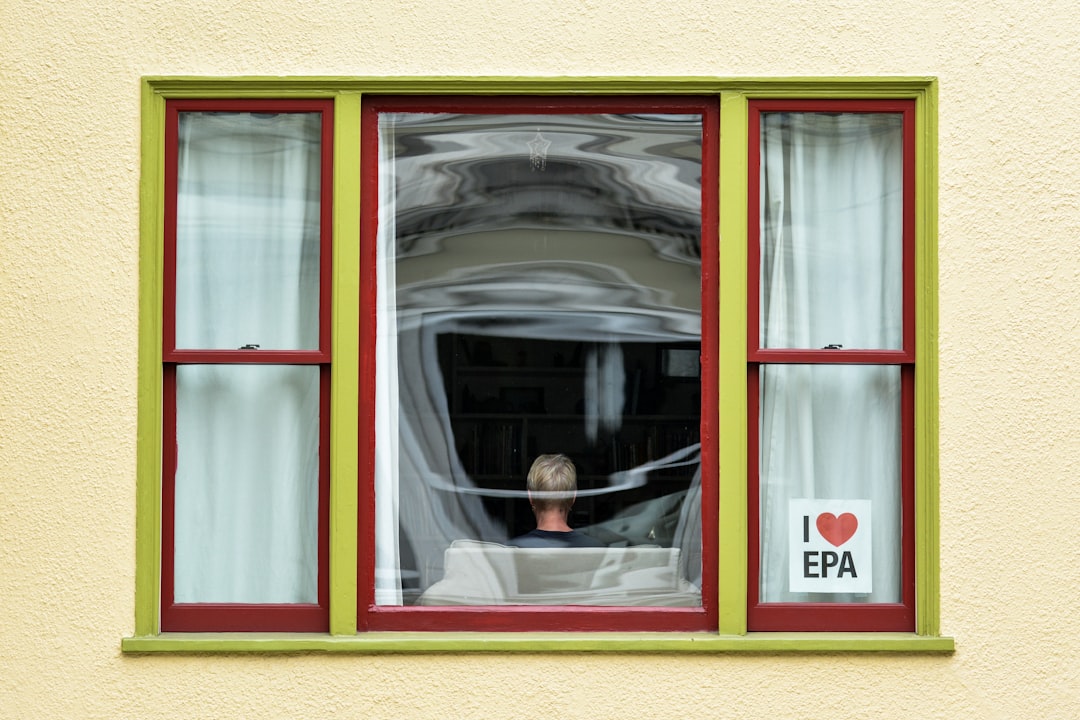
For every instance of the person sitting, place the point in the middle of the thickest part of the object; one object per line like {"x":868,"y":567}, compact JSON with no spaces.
{"x":552,"y":489}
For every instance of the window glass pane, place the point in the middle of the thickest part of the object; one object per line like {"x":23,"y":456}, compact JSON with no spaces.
{"x":540,"y":292}
{"x":247,"y":484}
{"x":831,"y":230}
{"x":247,"y":230}
{"x":830,"y":494}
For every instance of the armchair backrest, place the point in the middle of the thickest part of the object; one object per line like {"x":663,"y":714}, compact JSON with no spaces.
{"x":483,"y":573}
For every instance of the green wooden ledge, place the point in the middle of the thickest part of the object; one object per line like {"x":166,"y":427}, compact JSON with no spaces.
{"x":404,"y":643}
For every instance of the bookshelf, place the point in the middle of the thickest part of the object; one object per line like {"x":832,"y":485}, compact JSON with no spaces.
{"x":512,"y":398}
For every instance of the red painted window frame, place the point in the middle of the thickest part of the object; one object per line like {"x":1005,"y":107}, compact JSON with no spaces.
{"x":896,"y":617}
{"x":537,"y":618}
{"x":224,"y":617}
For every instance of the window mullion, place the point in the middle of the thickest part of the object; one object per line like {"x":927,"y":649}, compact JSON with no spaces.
{"x":732,"y":317}
{"x":344,"y":384}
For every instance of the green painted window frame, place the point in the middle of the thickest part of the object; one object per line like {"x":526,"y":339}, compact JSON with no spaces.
{"x":731,"y":633}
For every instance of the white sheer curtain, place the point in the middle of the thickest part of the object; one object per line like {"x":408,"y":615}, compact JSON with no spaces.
{"x":388,"y":588}
{"x":246,"y":489}
{"x":831,"y":218}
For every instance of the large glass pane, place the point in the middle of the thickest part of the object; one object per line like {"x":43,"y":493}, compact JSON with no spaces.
{"x":830,"y":488}
{"x":247,"y":230}
{"x":247,"y":484}
{"x":540,"y":293}
{"x":831,"y":230}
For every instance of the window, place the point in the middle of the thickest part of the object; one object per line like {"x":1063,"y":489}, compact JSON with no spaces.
{"x":831,"y":352}
{"x":520,"y":269}
{"x":246,"y":350}
{"x":538,"y":289}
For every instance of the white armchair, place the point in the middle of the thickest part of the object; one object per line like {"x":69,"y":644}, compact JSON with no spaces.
{"x":484,"y":573}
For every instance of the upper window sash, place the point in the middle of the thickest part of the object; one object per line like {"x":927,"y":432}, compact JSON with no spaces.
{"x":274,"y":208}
{"x":832,"y":227}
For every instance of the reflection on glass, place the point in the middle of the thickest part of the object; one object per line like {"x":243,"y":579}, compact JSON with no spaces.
{"x":539,"y":292}
{"x":829,"y":432}
{"x":831,"y":230}
{"x":247,"y":230}
{"x":247,"y":483}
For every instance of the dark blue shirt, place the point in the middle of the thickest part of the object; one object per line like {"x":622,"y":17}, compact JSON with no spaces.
{"x":555,"y":539}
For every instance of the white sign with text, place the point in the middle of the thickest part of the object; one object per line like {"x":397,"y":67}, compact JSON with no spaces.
{"x":830,"y":546}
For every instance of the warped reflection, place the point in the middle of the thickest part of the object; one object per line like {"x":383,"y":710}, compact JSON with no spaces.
{"x":539,"y":286}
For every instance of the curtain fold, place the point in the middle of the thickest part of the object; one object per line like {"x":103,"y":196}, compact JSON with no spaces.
{"x":388,"y":580}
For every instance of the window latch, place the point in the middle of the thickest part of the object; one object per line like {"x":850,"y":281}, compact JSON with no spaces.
{"x":249,"y":347}
{"x":832,"y":346}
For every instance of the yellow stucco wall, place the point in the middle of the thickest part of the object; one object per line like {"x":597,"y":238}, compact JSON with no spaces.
{"x":1009,"y":337}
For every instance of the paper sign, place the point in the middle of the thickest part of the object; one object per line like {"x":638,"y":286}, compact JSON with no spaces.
{"x":830,"y":548}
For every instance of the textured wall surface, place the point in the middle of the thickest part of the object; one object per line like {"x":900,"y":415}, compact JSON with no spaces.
{"x":1009,"y":347}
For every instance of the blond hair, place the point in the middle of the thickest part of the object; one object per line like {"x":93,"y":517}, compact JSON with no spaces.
{"x":552,"y":482}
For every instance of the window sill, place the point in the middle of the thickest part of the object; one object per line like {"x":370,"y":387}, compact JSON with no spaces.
{"x":405,"y":643}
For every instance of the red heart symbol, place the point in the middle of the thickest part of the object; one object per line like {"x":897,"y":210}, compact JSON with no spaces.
{"x":837,"y":530}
